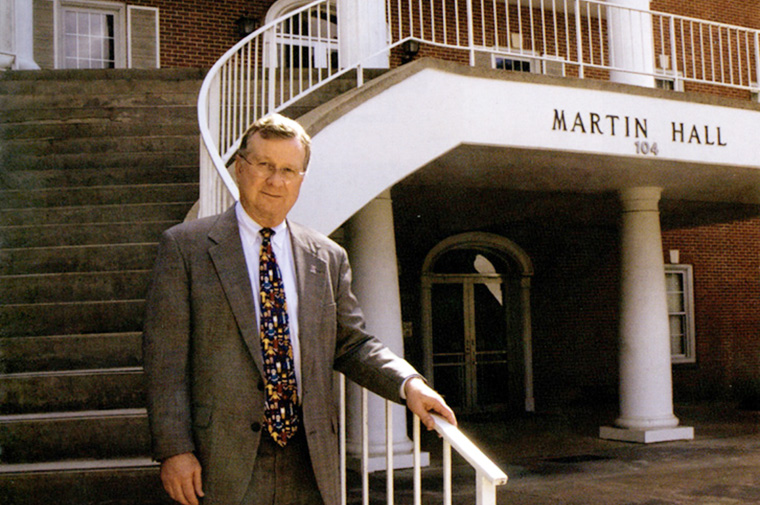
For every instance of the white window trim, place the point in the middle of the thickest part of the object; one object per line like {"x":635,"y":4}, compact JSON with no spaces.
{"x":669,"y":75}
{"x":537,"y":62}
{"x":690,"y":335}
{"x":120,"y":38}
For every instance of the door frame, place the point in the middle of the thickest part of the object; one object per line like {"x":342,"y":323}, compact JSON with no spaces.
{"x":509,"y":252}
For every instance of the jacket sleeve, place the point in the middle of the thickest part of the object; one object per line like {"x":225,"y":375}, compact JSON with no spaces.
{"x":166,"y":344}
{"x":361,"y":357}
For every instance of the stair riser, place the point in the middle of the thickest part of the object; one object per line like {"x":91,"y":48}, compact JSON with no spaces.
{"x":100,"y":145}
{"x":70,"y":352}
{"x":72,"y":318}
{"x":88,"y":129}
{"x":165,"y":171}
{"x":77,"y":259}
{"x":62,"y":393}
{"x":114,"y":487}
{"x":74,"y":287}
{"x":102,"y":98}
{"x":95,"y":214}
{"x":92,"y":438}
{"x":77,"y":235}
{"x":182,"y":113}
{"x":101,"y":195}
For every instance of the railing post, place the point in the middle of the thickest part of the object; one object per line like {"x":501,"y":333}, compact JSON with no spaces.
{"x":673,"y":52}
{"x":579,"y":37}
{"x":757,"y":60}
{"x":485,"y":491}
{"x":470,"y":33}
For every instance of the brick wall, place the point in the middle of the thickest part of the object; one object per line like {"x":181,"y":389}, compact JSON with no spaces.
{"x":726,"y":265}
{"x":197,"y":33}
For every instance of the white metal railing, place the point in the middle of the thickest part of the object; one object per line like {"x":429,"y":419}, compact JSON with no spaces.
{"x":488,"y":476}
{"x":297,"y":53}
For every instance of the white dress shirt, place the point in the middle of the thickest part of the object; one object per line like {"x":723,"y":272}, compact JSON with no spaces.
{"x":283,"y":251}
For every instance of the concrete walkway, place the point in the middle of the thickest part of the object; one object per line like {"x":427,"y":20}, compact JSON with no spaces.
{"x":557,"y":458}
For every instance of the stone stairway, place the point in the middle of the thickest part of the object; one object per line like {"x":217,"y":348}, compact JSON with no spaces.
{"x":93,"y":166}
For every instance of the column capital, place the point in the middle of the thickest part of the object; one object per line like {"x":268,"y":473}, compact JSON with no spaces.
{"x":642,"y":199}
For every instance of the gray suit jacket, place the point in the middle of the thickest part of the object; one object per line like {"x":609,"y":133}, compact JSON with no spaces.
{"x":202,"y":353}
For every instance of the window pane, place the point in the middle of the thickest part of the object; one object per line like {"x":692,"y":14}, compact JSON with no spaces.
{"x":677,"y":327}
{"x":71,"y":22}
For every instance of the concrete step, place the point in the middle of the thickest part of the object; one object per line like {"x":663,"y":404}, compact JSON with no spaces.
{"x":133,"y":481}
{"x":111,"y":115}
{"x":94,"y":258}
{"x":108,"y":97}
{"x":99,"y":195}
{"x":158,"y":159}
{"x":97,"y":146}
{"x":76,"y":390}
{"x":103,"y":434}
{"x":166,"y":170}
{"x":33,"y":319}
{"x":83,"y":214}
{"x":55,"y":130}
{"x":70,"y":352}
{"x":81,"y":234}
{"x":74,"y":287}
{"x":92,"y":80}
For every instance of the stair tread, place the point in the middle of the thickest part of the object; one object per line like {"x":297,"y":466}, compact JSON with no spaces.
{"x":78,"y":465}
{"x":74,"y":373}
{"x":73,"y":415}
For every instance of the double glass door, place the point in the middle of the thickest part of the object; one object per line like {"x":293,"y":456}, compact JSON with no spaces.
{"x":469,"y":340}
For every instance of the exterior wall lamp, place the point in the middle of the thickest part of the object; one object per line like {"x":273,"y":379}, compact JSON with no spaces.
{"x":246,"y":25}
{"x":410,"y":49}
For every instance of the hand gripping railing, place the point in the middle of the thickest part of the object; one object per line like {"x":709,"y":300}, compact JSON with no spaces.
{"x":487,"y":475}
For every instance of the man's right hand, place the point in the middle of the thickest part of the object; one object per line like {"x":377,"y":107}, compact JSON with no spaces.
{"x":181,"y":476}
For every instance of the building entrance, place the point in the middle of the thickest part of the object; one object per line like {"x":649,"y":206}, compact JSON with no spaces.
{"x":476,"y":324}
{"x":470,"y":355}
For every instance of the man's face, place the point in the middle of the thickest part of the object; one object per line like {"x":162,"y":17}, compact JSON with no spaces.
{"x":266,"y":194}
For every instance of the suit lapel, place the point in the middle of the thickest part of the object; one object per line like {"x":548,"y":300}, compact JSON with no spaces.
{"x":310,"y":276}
{"x":229,"y":260}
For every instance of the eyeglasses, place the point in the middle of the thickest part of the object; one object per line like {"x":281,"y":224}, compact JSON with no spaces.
{"x":266,"y":170}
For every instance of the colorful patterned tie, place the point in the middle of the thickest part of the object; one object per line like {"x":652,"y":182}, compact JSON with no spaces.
{"x":281,"y":403}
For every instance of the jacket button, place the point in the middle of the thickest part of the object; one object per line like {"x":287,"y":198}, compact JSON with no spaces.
{"x":256,"y":427}
{"x":260,"y":385}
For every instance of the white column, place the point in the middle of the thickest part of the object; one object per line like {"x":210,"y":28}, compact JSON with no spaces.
{"x":646,"y":390}
{"x":371,"y":245}
{"x":631,"y":42}
{"x":363,"y":32}
{"x":17,"y":35}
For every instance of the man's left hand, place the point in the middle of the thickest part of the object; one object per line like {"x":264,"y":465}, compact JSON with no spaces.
{"x":422,"y":400}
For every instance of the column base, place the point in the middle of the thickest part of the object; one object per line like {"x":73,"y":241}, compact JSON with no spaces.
{"x":378,"y":462}
{"x":647,"y":436}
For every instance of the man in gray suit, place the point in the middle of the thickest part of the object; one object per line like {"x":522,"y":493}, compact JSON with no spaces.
{"x":229,"y":424}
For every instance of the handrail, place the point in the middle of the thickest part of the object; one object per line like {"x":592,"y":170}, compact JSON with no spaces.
{"x":488,"y":476}
{"x":293,"y":55}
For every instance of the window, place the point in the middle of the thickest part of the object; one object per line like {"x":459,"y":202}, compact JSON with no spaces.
{"x":89,"y":39}
{"x":512,"y":64}
{"x":667,"y":80}
{"x":91,"y":34}
{"x":679,"y":286}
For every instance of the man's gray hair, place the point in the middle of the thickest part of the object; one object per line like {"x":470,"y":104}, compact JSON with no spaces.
{"x":277,"y":126}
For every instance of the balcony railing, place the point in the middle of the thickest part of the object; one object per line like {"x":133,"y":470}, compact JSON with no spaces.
{"x":300,"y":52}
{"x":487,"y":475}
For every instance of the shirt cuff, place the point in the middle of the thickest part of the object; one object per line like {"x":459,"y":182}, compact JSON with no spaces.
{"x":402,"y":393}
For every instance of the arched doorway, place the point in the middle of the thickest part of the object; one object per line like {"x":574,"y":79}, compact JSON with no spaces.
{"x":476,"y":323}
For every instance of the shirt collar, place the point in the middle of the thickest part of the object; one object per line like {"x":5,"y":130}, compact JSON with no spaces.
{"x":252,"y":228}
